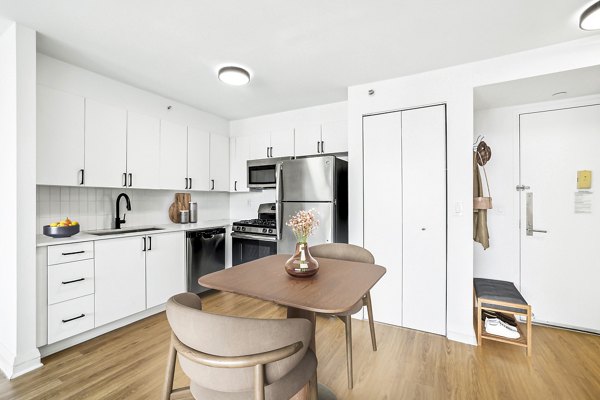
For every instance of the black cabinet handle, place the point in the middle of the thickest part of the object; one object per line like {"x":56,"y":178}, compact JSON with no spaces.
{"x":322,"y":146}
{"x":130,"y":179}
{"x":144,"y":239}
{"x":82,"y":172}
{"x":124,"y":179}
{"x":190,"y":183}
{"x":73,"y":252}
{"x":235,"y":186}
{"x":186,"y":183}
{"x":73,"y":281}
{"x":318,"y":144}
{"x":72,"y":319}
{"x":267,"y":152}
{"x":149,"y":243}
{"x":213,"y":184}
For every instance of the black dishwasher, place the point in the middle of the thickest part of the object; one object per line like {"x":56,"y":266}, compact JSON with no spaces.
{"x":205,"y":254}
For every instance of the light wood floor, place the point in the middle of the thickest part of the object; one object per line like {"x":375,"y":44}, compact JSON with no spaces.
{"x":129,"y":363}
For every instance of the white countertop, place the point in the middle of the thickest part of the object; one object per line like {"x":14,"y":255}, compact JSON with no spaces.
{"x":86,"y":237}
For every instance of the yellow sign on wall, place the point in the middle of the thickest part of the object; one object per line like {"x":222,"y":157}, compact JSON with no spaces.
{"x":584,"y":179}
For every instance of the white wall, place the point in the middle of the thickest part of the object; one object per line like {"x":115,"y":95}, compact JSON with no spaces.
{"x":94,"y":208}
{"x":453,"y":86}
{"x":245,"y":205}
{"x":501,"y":129}
{"x":18,"y":353}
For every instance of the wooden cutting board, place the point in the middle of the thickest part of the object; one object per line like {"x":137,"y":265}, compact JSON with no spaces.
{"x":182,"y":202}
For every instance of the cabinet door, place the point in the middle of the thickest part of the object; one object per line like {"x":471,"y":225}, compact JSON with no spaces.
{"x":165,"y":267}
{"x":282,"y":143}
{"x":219,"y":163}
{"x":198,"y":159}
{"x":60,"y":137}
{"x":334,"y":136}
{"x":173,"y":156}
{"x":120,"y":275}
{"x":383,"y":209}
{"x":424,"y":226}
{"x":307,"y":139}
{"x":259,"y":146}
{"x":239,"y":153}
{"x":105,"y":145}
{"x":143,"y":151}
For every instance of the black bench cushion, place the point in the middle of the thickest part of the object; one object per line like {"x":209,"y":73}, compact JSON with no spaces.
{"x":498,"y":290}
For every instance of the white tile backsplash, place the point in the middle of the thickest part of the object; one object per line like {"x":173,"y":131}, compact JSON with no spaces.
{"x":94,"y":208}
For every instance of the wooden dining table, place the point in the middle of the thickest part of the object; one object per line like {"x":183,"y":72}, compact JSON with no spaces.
{"x":336,"y":287}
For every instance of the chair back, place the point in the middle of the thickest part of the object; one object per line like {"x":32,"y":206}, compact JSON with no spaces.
{"x":233,"y":336}
{"x":343,"y":251}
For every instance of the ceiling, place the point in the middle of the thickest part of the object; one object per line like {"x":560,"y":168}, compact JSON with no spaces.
{"x":557,"y":86}
{"x":300,"y":53}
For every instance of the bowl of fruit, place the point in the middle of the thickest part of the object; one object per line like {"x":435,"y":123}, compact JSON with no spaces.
{"x":62,"y":229}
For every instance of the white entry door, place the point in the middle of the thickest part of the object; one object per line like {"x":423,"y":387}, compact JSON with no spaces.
{"x":560,"y":268}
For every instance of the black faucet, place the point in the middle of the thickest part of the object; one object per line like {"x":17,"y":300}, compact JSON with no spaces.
{"x":118,"y":220}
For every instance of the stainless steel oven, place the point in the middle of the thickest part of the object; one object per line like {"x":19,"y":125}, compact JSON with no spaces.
{"x":252,"y":239}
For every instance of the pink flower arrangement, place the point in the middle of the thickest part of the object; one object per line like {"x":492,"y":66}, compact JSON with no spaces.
{"x":303,"y":224}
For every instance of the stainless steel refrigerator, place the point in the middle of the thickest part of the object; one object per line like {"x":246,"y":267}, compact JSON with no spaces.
{"x":319,"y":183}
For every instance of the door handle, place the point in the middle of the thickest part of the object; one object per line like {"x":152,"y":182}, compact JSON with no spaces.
{"x":529,"y":230}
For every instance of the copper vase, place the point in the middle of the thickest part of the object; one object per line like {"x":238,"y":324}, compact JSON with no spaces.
{"x":301,"y":264}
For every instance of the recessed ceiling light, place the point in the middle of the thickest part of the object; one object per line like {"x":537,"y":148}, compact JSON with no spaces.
{"x":590,"y":18}
{"x":234,"y":76}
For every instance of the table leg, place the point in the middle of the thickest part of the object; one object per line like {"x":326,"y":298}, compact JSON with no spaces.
{"x":316,"y":390}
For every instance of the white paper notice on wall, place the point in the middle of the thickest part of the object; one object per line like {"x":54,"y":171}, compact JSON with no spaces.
{"x":583,"y":202}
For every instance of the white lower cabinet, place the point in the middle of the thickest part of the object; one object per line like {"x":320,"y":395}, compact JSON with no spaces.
{"x":70,"y":280}
{"x":70,"y":318}
{"x":120,"y":278}
{"x":165,"y":267}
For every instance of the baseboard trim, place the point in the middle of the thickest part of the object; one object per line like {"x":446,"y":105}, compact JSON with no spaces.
{"x":85,"y":336}
{"x":13,"y":366}
{"x":467,"y":338}
{"x":7,"y":361}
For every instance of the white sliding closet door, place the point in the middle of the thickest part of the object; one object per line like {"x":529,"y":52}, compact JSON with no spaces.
{"x":404,"y":166}
{"x":383,"y":210}
{"x":424,"y":219}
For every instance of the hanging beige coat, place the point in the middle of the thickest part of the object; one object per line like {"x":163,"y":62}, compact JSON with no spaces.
{"x":480,"y":229}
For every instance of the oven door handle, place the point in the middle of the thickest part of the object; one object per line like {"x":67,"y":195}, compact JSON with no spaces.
{"x":238,"y":235}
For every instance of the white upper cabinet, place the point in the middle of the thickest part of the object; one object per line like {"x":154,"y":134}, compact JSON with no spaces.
{"x":173,"y":156}
{"x":259,"y":146}
{"x":143,"y":151}
{"x":60,"y":138}
{"x":198,"y":156}
{"x":239,"y":154}
{"x":334,"y":137}
{"x":282,"y":143}
{"x":219,"y":163}
{"x":308,"y":139}
{"x":105,"y":145}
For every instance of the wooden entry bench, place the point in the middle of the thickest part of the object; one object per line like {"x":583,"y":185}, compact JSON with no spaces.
{"x":502,"y":296}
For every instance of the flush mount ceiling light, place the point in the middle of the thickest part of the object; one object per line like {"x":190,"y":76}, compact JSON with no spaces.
{"x":234,"y":76}
{"x":590,"y":18}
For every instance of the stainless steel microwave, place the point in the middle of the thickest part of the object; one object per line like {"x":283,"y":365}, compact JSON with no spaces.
{"x":262,"y":173}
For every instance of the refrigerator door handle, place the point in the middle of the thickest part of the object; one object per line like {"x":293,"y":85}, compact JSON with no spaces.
{"x":278,"y":207}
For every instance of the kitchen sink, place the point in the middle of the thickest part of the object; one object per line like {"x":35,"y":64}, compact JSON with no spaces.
{"x":123,"y":231}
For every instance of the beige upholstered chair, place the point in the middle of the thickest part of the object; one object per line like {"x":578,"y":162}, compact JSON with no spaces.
{"x":237,"y":358}
{"x":350,"y":252}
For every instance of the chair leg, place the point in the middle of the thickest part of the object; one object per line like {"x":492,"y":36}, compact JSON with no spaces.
{"x":170,"y":373}
{"x":259,"y":382}
{"x":348,"y":323}
{"x":371,"y":322}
